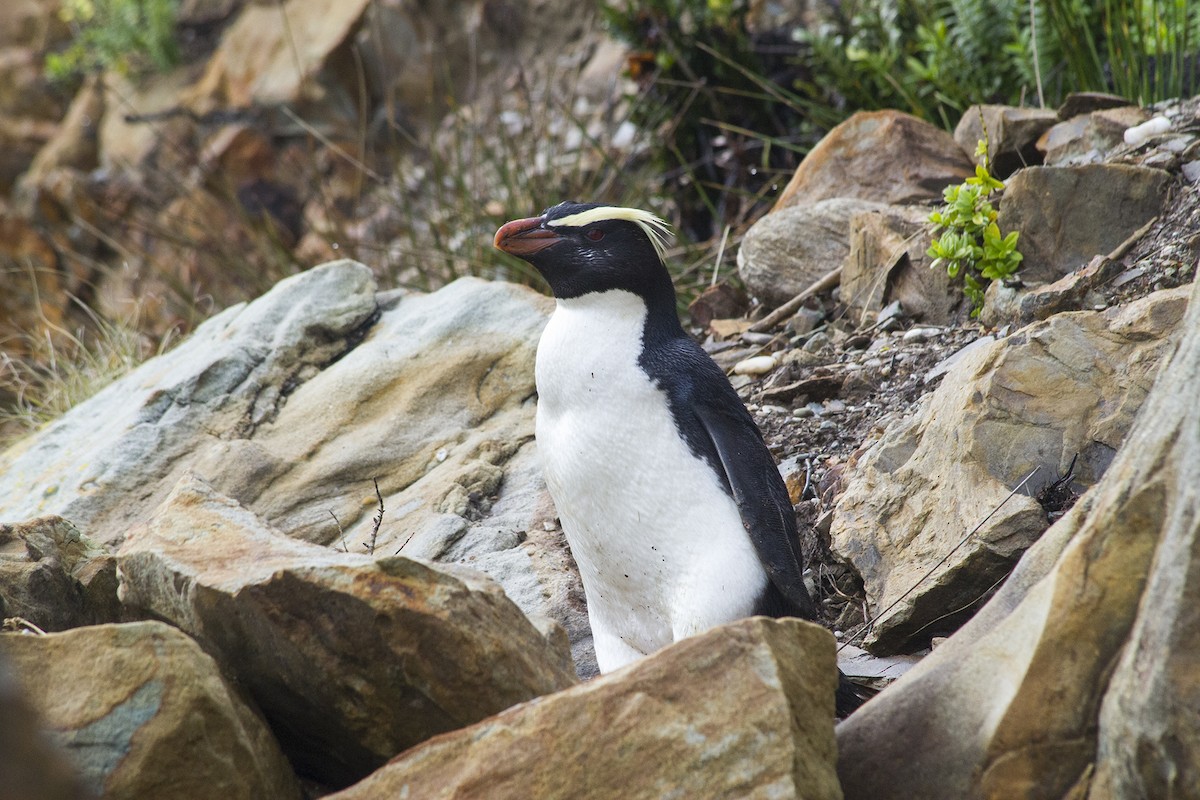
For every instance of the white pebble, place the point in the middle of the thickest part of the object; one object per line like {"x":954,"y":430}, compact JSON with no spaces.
{"x":920,"y":334}
{"x":1147,"y":130}
{"x":755,"y":365}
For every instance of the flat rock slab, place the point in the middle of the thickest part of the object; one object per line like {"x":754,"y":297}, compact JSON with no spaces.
{"x":1064,"y":387}
{"x":1068,"y":215}
{"x":883,"y":156}
{"x":743,"y":711}
{"x":352,"y":659}
{"x":144,"y":713}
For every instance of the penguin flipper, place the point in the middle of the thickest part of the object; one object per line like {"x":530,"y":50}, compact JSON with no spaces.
{"x":761,"y":497}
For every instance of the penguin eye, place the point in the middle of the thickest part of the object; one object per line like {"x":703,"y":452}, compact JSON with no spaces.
{"x":595,"y":234}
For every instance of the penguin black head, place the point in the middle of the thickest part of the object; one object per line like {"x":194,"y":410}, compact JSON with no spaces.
{"x":587,"y":247}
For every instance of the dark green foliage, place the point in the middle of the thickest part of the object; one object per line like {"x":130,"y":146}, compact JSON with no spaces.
{"x":706,"y":91}
{"x":125,"y":35}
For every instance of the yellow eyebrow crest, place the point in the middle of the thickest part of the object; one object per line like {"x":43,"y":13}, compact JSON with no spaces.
{"x":654,"y":228}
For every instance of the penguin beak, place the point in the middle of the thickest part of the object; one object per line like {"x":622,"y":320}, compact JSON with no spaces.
{"x":524,"y":237}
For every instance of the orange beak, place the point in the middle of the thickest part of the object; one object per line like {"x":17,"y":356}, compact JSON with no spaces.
{"x":524,"y":237}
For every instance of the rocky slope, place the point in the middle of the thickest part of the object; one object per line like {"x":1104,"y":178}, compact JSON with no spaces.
{"x":310,"y":547}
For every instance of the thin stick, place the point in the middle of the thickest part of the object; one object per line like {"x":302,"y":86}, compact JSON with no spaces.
{"x":827,"y":281}
{"x":867,"y":625}
{"x":378,"y":520}
{"x":720,"y":255}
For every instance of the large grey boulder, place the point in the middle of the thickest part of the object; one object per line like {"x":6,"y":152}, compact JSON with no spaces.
{"x":295,"y":403}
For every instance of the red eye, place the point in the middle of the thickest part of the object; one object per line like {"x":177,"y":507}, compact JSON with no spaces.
{"x":595,"y":234}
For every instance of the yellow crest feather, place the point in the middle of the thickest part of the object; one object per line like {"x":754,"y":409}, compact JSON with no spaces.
{"x":656,"y":230}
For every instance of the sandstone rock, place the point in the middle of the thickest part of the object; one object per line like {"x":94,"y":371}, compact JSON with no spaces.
{"x":31,"y":766}
{"x":1011,"y":134}
{"x":1079,"y":289}
{"x":886,"y":262}
{"x":352,"y":659}
{"x":1068,"y":215}
{"x":882,"y":156}
{"x":1078,"y":103}
{"x":261,"y":62}
{"x":1087,"y":139}
{"x":55,"y":577}
{"x":742,"y":711}
{"x":1024,"y":700}
{"x":1069,"y":385}
{"x":786,"y":251}
{"x":144,"y":713}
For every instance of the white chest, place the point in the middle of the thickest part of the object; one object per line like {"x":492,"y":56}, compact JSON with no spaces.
{"x":654,"y":534}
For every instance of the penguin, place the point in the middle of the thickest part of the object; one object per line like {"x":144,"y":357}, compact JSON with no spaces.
{"x":670,"y":501}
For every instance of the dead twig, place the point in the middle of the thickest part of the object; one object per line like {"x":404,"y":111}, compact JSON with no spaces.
{"x":376,"y":522}
{"x":341,"y":531}
{"x":825,"y":282}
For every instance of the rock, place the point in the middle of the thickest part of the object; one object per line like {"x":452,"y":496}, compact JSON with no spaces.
{"x":1011,"y":134}
{"x":755,"y":366}
{"x":720,"y":301}
{"x":74,"y":144}
{"x":294,"y":403}
{"x":881,"y":156}
{"x":140,"y":707}
{"x":1078,"y":103}
{"x":658,"y":728}
{"x":113,"y":457}
{"x":887,"y":263}
{"x":1068,"y":215}
{"x":1078,"y":289}
{"x":1069,"y":385}
{"x":1088,"y":139}
{"x":351,"y":659}
{"x":788,"y":250}
{"x":31,"y":766}
{"x":1024,"y":701}
{"x":55,"y":577}
{"x":261,"y":62}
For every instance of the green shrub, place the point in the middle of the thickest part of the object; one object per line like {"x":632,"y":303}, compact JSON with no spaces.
{"x":971,"y":245}
{"x":125,"y":35}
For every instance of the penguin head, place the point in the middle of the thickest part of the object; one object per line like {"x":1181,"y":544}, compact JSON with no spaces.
{"x":587,"y":247}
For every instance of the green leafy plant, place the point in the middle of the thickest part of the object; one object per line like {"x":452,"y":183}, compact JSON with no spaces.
{"x":125,"y":35}
{"x":970,"y":245}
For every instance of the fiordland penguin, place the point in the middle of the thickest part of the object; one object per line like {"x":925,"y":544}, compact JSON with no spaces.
{"x":671,"y":503}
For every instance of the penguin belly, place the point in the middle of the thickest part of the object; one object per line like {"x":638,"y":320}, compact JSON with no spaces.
{"x":660,"y":544}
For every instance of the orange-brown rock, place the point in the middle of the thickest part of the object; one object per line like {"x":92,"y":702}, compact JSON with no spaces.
{"x":352,"y":658}
{"x":742,"y":711}
{"x":145,"y":713}
{"x":882,"y":156}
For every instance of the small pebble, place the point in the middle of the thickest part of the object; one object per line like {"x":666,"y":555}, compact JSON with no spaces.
{"x":769,"y":409}
{"x":802,"y":413}
{"x":755,"y":366}
{"x":835,"y":407}
{"x":750,"y":337}
{"x":818,"y":341}
{"x":441,"y":455}
{"x":920,"y":334}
